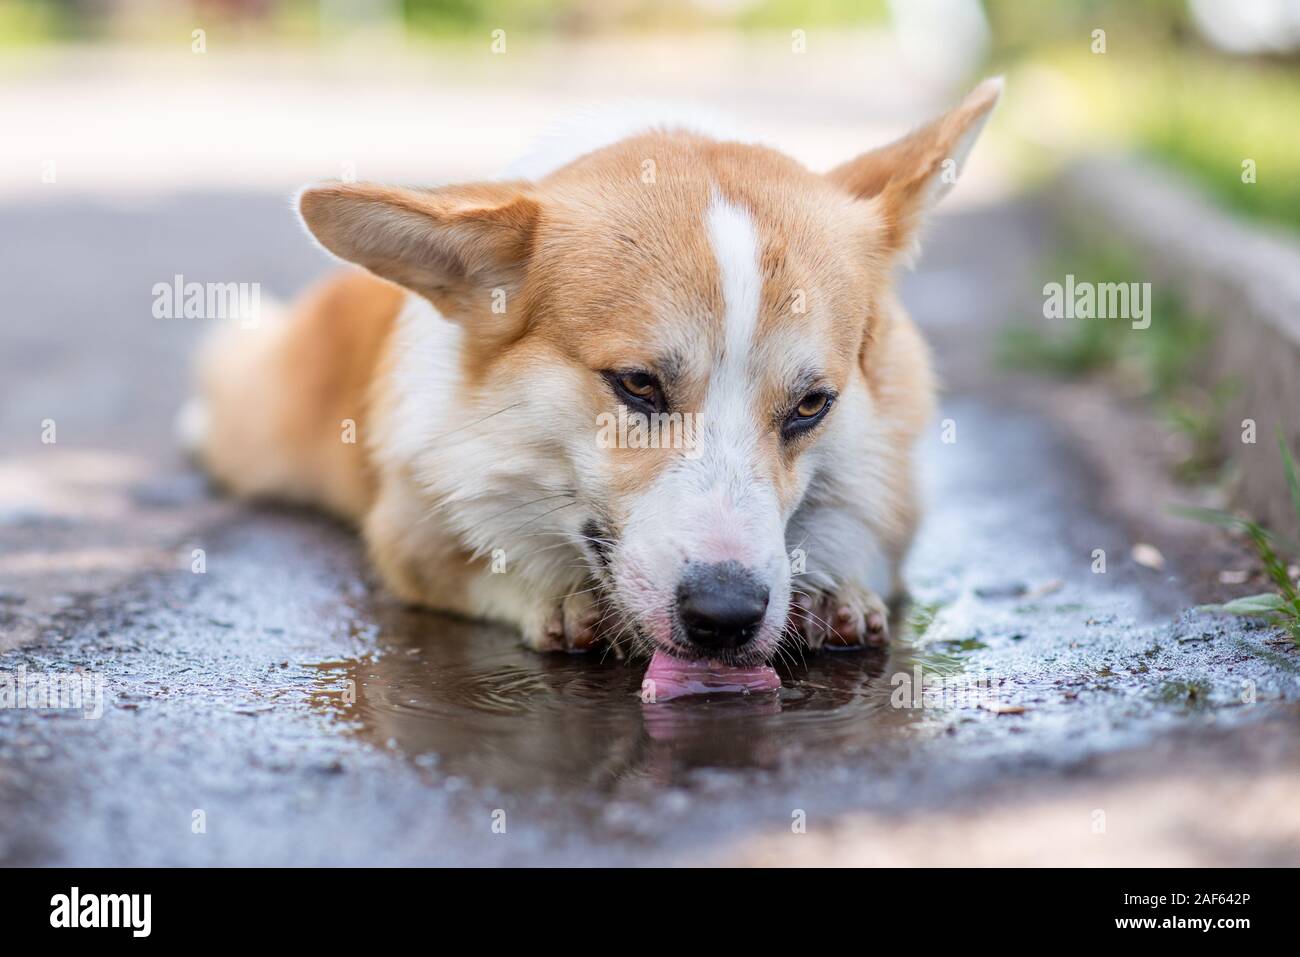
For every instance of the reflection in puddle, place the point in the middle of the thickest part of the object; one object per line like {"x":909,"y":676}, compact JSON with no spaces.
{"x":469,"y":697}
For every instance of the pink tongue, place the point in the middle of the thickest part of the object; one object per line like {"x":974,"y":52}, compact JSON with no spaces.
{"x":676,"y":678}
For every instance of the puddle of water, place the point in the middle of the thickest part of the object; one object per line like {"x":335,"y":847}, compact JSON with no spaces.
{"x":470,"y":700}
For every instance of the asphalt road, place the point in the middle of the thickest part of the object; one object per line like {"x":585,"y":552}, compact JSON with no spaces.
{"x":277,"y":709}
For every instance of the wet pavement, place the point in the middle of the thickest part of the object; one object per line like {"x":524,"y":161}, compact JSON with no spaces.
{"x":275,"y":708}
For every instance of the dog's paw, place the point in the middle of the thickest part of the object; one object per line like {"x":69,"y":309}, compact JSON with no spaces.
{"x":573,"y":625}
{"x":850,"y":617}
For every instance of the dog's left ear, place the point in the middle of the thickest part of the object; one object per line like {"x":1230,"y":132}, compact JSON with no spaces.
{"x":907,"y":177}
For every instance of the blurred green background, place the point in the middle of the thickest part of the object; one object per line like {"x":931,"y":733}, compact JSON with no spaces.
{"x":1204,"y":85}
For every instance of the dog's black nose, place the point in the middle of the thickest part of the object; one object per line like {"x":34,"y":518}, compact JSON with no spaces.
{"x":721,"y":605}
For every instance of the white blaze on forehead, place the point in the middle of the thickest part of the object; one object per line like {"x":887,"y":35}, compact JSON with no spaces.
{"x":725,"y":507}
{"x":716,"y":506}
{"x":735,"y":248}
{"x":727,"y":425}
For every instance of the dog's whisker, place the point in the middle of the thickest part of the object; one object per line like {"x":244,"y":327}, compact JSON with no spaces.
{"x":572,"y":594}
{"x":809,"y":612}
{"x":476,"y":422}
{"x":538,"y":518}
{"x":445,"y":502}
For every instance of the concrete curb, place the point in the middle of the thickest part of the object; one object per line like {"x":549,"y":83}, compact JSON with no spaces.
{"x":1243,"y":275}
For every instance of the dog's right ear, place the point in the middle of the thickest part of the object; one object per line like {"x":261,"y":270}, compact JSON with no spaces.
{"x":461,"y":247}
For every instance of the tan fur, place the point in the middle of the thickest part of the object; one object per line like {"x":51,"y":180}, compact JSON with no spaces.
{"x":900,"y":373}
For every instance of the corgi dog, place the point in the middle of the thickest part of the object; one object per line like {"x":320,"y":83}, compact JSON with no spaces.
{"x":475,"y":397}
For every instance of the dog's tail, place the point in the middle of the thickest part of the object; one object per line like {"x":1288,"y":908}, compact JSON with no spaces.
{"x":282,"y":408}
{"x":227,"y":346}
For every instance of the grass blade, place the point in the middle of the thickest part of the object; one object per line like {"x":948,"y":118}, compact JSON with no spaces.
{"x":1288,"y":463}
{"x":1252,"y":605}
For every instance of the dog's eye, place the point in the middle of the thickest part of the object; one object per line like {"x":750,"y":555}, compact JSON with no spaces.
{"x":810,"y":410}
{"x":638,"y":384}
{"x":638,"y":389}
{"x":812,"y":405}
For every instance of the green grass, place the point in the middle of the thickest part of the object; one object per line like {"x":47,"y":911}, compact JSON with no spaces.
{"x":451,"y":16}
{"x":25,"y":22}
{"x":1160,"y":363}
{"x":1197,"y":414}
{"x":1198,"y":112}
{"x":1215,"y":117}
{"x":33,"y":22}
{"x":921,"y":616}
{"x":1156,"y":361}
{"x":1281,"y":607}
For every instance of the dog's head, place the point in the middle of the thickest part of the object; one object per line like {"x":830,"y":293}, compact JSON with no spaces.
{"x":679,"y":328}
